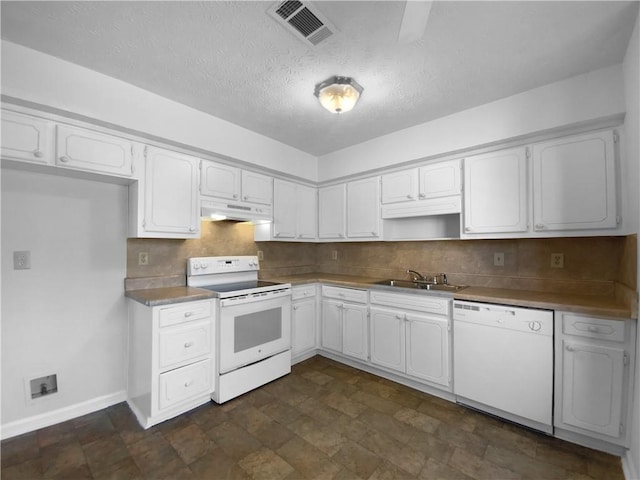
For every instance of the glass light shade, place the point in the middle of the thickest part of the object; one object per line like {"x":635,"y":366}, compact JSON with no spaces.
{"x":338,"y":94}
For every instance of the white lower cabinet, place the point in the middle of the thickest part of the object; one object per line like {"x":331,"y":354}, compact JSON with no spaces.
{"x":171,"y":359}
{"x":303,"y":321}
{"x":411,"y":334}
{"x":345,"y":324}
{"x":594,"y":372}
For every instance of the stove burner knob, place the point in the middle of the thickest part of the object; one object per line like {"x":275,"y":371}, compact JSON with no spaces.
{"x":204,"y":266}
{"x":196,"y":266}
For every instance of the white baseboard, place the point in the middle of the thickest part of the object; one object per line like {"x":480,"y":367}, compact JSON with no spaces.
{"x":47,"y":419}
{"x":629,"y":466}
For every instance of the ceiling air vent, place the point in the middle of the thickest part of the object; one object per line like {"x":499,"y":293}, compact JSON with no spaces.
{"x":303,"y":20}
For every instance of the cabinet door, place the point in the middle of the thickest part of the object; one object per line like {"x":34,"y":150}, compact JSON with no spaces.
{"x":363,"y":208}
{"x":284,"y":209}
{"x":306,"y":212}
{"x":257,"y":188}
{"x":88,"y":150}
{"x":332,"y":211}
{"x":400,"y":186}
{"x":428,"y":348}
{"x":303,"y":326}
{"x":592,"y":385}
{"x":171,"y":193}
{"x":220,"y":180}
{"x":332,"y":325}
{"x":495,"y":192}
{"x":387,"y":338}
{"x":440,"y":179}
{"x":355,"y":330}
{"x":26,"y":138}
{"x":574,"y":184}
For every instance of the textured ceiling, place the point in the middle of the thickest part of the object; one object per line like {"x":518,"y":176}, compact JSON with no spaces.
{"x":233,"y":61}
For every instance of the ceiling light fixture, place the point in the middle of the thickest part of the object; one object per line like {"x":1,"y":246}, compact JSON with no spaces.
{"x":338,"y":94}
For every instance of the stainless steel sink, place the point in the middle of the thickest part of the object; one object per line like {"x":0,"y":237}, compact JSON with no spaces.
{"x":419,"y":285}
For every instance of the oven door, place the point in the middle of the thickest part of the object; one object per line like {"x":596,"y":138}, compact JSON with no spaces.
{"x":252,"y":329}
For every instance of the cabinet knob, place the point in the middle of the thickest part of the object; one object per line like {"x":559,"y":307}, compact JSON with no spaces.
{"x":277,"y":234}
{"x":37,"y":154}
{"x":593,"y":329}
{"x":421,"y":195}
{"x":341,"y":235}
{"x":188,"y":344}
{"x":569,"y":348}
{"x":235,"y":195}
{"x":295,"y":307}
{"x":539,"y":226}
{"x":410,"y":197}
{"x":373,"y":233}
{"x":188,"y":383}
{"x":64,"y":159}
{"x":192,"y":229}
{"x":246,"y":197}
{"x":188,"y":314}
{"x":468,"y":229}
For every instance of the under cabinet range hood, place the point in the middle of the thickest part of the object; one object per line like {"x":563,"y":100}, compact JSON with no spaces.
{"x":235,"y":211}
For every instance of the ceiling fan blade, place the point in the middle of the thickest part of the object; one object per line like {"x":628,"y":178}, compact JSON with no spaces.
{"x":414,"y":20}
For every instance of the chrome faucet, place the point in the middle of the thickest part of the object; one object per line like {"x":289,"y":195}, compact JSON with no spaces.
{"x":417,"y":277}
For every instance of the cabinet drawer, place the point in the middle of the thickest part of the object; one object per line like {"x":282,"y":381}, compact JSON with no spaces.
{"x":183,"y":383}
{"x":348,"y":294}
{"x":600,"y":328}
{"x":422,"y":303}
{"x":185,"y":342}
{"x":186,"y":312}
{"x":303,"y":291}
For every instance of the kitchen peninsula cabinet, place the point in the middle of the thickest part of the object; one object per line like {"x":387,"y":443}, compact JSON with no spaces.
{"x":495,"y":192}
{"x":232,"y":183}
{"x":303,"y":322}
{"x":26,"y":138}
{"x":345,"y":321}
{"x":574,"y":183}
{"x":171,"y":359}
{"x":411,"y":334}
{"x":166,"y":203}
{"x":595,"y":360}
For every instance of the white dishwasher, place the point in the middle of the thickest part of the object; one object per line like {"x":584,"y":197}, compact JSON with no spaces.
{"x":503,"y":361}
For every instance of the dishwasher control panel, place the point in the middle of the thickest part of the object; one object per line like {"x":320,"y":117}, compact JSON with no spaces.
{"x":521,"y":319}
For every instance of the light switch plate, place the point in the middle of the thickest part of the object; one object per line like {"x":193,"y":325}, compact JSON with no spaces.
{"x":22,"y":260}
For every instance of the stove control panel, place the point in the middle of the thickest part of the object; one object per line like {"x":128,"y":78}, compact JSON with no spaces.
{"x":213,"y":265}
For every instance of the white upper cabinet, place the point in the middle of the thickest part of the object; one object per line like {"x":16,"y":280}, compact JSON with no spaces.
{"x":306,"y":212}
{"x":27,"y":139}
{"x":495,"y":192}
{"x":257,"y":188}
{"x":232,"y":183}
{"x":294,"y":211}
{"x":284,"y":209}
{"x":332,"y":212}
{"x":169,"y":199}
{"x":400,"y":186}
{"x":574,"y":184}
{"x":219,"y":180}
{"x":87,"y":150}
{"x":440,"y":179}
{"x":363,"y":208}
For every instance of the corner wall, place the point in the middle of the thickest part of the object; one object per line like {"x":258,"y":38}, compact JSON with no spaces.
{"x":67,"y":314}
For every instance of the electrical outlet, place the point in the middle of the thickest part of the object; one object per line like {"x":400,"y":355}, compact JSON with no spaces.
{"x":557,"y":260}
{"x":334,"y":255}
{"x":260,"y":255}
{"x":498,"y":259}
{"x":22,"y":260}
{"x":143,"y":258}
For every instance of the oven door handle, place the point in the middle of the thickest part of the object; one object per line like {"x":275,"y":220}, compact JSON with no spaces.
{"x":255,"y":297}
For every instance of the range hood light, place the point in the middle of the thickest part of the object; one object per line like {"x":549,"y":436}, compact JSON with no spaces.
{"x":217,"y":217}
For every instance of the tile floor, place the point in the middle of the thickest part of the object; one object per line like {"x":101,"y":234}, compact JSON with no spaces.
{"x":325,"y":420}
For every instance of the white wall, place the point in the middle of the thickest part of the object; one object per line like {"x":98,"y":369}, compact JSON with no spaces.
{"x":578,"y":99}
{"x":67,"y":314}
{"x":36,"y":77}
{"x":632,"y":152}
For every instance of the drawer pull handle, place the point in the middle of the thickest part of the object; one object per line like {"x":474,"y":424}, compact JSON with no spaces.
{"x":37,"y":154}
{"x":64,"y":159}
{"x":593,"y":329}
{"x":188,"y":344}
{"x":188,"y":314}
{"x":188,"y":383}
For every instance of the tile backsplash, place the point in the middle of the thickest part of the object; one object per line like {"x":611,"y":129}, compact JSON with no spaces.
{"x":592,"y":265}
